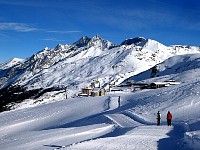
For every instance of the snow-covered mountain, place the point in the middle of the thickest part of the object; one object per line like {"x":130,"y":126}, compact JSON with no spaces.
{"x":75,"y":66}
{"x":175,"y":65}
{"x":119,"y":120}
{"x":11,"y":63}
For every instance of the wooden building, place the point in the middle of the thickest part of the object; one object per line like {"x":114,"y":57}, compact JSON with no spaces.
{"x":87,"y":91}
{"x":156,"y":85}
{"x":98,"y":92}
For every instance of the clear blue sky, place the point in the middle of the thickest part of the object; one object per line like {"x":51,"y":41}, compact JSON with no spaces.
{"x":28,"y":26}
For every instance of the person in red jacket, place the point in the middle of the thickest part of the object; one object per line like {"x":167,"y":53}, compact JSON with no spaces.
{"x":169,"y":118}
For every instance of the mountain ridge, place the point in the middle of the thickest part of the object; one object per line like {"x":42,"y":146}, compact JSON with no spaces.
{"x":75,"y":65}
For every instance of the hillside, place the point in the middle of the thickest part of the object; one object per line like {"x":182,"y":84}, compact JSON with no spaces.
{"x":54,"y":73}
{"x":175,"y":68}
{"x":108,"y":122}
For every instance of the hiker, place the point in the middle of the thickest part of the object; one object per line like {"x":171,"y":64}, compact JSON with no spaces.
{"x":158,"y":118}
{"x":169,"y":118}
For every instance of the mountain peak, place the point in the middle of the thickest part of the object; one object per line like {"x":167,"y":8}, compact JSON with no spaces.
{"x":96,"y":37}
{"x":11,"y":62}
{"x":82,"y":41}
{"x":97,"y":41}
{"x":135,"y":41}
{"x":59,"y":46}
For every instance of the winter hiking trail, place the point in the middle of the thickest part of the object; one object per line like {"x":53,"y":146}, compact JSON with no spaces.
{"x":140,"y":137}
{"x":145,"y":128}
{"x":136,"y":133}
{"x":133,"y":132}
{"x":112,"y":127}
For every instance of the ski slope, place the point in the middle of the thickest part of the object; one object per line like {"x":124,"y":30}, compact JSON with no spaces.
{"x":96,"y":123}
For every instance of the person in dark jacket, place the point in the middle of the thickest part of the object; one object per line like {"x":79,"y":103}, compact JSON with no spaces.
{"x":158,"y":118}
{"x":169,"y":118}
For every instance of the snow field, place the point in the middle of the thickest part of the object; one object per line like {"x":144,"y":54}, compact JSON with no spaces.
{"x":109,"y":123}
{"x":100,"y":123}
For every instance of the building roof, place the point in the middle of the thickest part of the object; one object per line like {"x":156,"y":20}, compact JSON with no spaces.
{"x":160,"y":83}
{"x":87,"y":88}
{"x":96,"y":89}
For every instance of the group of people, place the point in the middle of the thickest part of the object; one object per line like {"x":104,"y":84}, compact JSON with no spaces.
{"x":169,"y":118}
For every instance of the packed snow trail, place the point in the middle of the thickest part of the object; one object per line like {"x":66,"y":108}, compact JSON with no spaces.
{"x":122,"y":120}
{"x":142,"y":137}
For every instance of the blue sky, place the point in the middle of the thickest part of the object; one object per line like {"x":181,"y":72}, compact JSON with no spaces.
{"x":28,"y":26}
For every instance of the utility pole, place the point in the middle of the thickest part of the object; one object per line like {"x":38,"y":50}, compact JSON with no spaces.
{"x":119,"y":100}
{"x":109,"y":87}
{"x":66,"y":91}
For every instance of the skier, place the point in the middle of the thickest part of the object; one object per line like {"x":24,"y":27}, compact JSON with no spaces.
{"x":169,"y":118}
{"x":158,"y":118}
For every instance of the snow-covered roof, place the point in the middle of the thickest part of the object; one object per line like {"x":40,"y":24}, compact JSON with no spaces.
{"x":96,"y":89}
{"x":159,"y":83}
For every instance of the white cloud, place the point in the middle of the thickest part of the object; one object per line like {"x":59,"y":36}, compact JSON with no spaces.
{"x":52,"y":39}
{"x":23,"y":27}
{"x":19,"y":27}
{"x":23,"y":3}
{"x":63,"y":32}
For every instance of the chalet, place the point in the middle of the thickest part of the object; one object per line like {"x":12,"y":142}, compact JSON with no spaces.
{"x":156,"y":85}
{"x":98,"y":92}
{"x":94,"y":89}
{"x":172,"y":82}
{"x":86,"y":92}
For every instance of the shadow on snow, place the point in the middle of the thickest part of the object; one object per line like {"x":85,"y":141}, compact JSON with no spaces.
{"x":174,"y":140}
